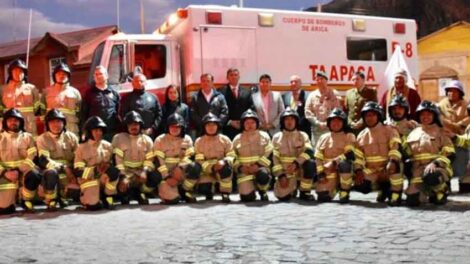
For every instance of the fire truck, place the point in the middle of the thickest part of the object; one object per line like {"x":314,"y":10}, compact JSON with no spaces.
{"x":210,"y":39}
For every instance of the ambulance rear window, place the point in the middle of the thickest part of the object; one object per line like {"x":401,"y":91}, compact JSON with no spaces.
{"x":367,"y":49}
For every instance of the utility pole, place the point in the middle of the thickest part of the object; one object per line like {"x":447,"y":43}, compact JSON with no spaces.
{"x":117,"y":15}
{"x":142,"y":17}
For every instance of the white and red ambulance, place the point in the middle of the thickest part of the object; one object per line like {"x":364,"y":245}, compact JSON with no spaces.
{"x":200,"y":39}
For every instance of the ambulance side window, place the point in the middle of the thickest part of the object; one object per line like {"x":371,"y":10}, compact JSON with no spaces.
{"x":117,"y":65}
{"x":152,"y":60}
{"x":366,"y":49}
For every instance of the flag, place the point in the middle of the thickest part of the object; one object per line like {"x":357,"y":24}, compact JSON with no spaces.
{"x":395,"y":64}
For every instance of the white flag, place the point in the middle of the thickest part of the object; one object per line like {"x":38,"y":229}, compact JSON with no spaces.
{"x":395,"y":64}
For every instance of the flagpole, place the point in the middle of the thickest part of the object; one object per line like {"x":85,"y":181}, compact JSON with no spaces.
{"x":29,"y":36}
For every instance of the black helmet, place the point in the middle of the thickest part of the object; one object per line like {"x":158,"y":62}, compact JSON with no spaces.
{"x":468,"y":108}
{"x":133,"y":117}
{"x":53,"y":114}
{"x":18,"y":63}
{"x":289,"y":112}
{"x":13,"y":112}
{"x":210,"y":118}
{"x":398,"y":100}
{"x":176,"y":119}
{"x":337,"y":113}
{"x":61,"y":67}
{"x":375,"y":107}
{"x":249,"y":114}
{"x":429,"y":106}
{"x":92,"y":123}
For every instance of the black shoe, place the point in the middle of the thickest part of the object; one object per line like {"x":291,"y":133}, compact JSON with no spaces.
{"x":125,"y":200}
{"x":108,"y":203}
{"x":263,"y":196}
{"x":189,"y":198}
{"x":27,"y":206}
{"x":343,"y":197}
{"x":209,"y":197}
{"x":438,"y":198}
{"x":225,"y":198}
{"x":381,"y":197}
{"x":51,"y":206}
{"x":306,"y":196}
{"x":142,"y":199}
{"x":63,"y":202}
{"x":395,"y":199}
{"x":9,"y":210}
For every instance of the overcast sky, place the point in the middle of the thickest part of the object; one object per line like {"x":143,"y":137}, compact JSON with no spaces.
{"x":68,"y":15}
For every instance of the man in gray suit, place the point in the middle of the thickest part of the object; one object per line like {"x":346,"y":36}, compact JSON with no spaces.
{"x":268,"y":105}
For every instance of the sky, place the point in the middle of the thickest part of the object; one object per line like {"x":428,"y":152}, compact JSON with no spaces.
{"x":59,"y":16}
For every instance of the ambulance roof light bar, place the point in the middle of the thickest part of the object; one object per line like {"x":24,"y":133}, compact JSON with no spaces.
{"x":214,"y":17}
{"x":359,"y":25}
{"x":265,"y":19}
{"x":399,"y":28}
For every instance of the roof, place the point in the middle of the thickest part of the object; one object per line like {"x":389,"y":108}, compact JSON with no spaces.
{"x":70,"y":40}
{"x":435,"y":33}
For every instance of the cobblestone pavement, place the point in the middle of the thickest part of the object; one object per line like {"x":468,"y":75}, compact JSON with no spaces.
{"x":211,"y":232}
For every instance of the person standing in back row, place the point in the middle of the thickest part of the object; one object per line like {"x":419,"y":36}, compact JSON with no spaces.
{"x":238,"y":101}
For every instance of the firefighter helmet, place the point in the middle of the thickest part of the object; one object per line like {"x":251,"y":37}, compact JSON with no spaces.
{"x":133,"y":117}
{"x":176,"y":119}
{"x":13,"y":112}
{"x":53,"y":114}
{"x":61,"y":67}
{"x":211,"y":118}
{"x":455,"y":84}
{"x":92,"y":123}
{"x":17,"y":63}
{"x":249,"y":114}
{"x":337,"y":113}
{"x":429,"y":106}
{"x":398,"y":100}
{"x":289,"y":112}
{"x":374,"y":107}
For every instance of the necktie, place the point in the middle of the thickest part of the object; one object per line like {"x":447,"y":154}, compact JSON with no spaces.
{"x":235,"y":93}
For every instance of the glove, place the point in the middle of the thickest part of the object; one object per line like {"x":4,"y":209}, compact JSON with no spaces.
{"x":359,"y":177}
{"x":11,"y":175}
{"x":42,"y":162}
{"x":171,"y":181}
{"x":177,"y":174}
{"x":283,"y":181}
{"x":218,"y":166}
{"x":123,"y":185}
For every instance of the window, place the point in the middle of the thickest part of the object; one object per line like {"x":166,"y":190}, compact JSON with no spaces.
{"x":54,"y":62}
{"x":151,"y":59}
{"x":367,"y":49}
{"x":117,"y":65}
{"x":95,"y":61}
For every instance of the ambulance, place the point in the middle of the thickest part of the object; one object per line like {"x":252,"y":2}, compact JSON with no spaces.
{"x":210,"y":39}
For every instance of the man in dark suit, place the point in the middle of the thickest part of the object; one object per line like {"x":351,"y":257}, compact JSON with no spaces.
{"x":238,"y":101}
{"x":295,"y":99}
{"x":206,"y":100}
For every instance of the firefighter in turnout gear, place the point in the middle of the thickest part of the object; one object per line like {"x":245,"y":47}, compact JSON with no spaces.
{"x":173,"y":151}
{"x":432,"y":153}
{"x":96,"y":175}
{"x":252,"y":148}
{"x":20,"y":94}
{"x":399,"y":118}
{"x":133,"y":155}
{"x":334,"y":156}
{"x":215,"y":155}
{"x":17,"y":151}
{"x":463,"y":141}
{"x":293,"y":159}
{"x":56,"y":148}
{"x":378,"y":159}
{"x":64,"y":97}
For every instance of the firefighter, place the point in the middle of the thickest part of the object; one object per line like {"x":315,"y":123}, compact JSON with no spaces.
{"x":96,"y":175}
{"x":215,"y":155}
{"x":133,"y":154}
{"x":56,"y":148}
{"x":432,"y":153}
{"x":399,"y":118}
{"x":463,"y":141}
{"x":16,"y":163}
{"x":20,"y":94}
{"x":252,"y":148}
{"x":174,"y":151}
{"x":378,"y":159}
{"x":334,"y":156}
{"x":292,"y":159}
{"x":64,"y":97}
